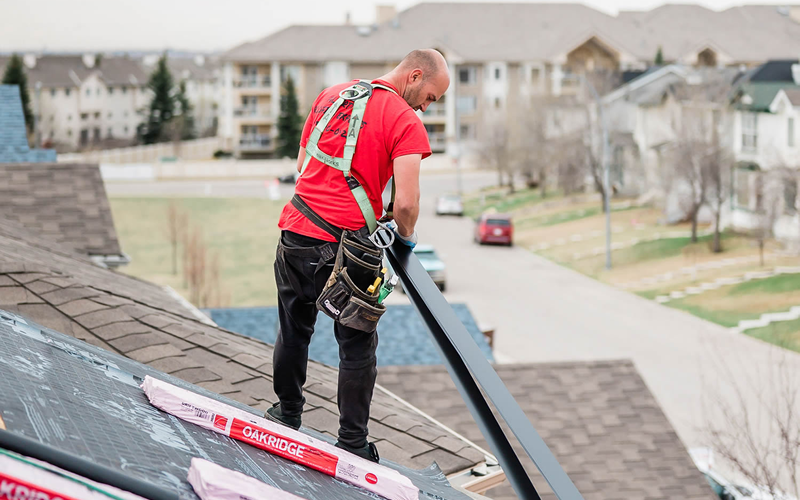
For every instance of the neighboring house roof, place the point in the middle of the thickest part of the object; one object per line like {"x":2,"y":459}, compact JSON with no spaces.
{"x":121,"y":71}
{"x":13,"y":134}
{"x":87,"y":401}
{"x":759,"y":95}
{"x":404,"y":338}
{"x":184,"y":68}
{"x":66,"y":203}
{"x":598,"y":418}
{"x":793,"y":95}
{"x":145,"y":322}
{"x":774,"y":71}
{"x":537,"y":32}
{"x":57,"y":71}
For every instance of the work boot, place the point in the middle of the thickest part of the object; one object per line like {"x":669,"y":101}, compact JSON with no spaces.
{"x":367,"y":452}
{"x":276,"y":415}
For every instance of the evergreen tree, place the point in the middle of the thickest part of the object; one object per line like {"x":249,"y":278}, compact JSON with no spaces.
{"x":162,"y":107}
{"x":15,"y":75}
{"x":659,"y":61}
{"x":184,"y":113}
{"x":290,"y":123}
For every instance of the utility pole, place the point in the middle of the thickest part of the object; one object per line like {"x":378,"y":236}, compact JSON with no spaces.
{"x":37,"y":135}
{"x":458,"y":152}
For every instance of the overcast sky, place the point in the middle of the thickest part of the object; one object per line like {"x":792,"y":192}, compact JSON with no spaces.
{"x":198,"y":25}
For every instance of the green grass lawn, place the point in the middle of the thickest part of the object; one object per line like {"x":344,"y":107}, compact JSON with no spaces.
{"x":784,"y":334}
{"x":243,"y":232}
{"x":777,"y":284}
{"x":500,"y":200}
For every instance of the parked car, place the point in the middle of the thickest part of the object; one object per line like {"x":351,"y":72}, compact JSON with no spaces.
{"x":494,"y":228}
{"x":432,"y":264}
{"x":289,"y":178}
{"x":723,"y":487}
{"x":449,"y":204}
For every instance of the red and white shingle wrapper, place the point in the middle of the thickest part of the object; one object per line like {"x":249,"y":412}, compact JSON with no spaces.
{"x":278,"y":440}
{"x":214,"y":482}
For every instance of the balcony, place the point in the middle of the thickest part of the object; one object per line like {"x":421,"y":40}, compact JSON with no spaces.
{"x":253,"y":82}
{"x":252,"y":113}
{"x":435,"y":110}
{"x":437,"y":140}
{"x":255,"y":142}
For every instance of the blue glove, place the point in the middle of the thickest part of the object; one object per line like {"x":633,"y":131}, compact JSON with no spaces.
{"x":409,"y":241}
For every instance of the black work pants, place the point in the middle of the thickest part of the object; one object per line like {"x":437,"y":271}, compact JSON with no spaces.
{"x":302,"y":265}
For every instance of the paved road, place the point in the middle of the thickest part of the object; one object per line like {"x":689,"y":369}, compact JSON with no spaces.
{"x":543,"y":312}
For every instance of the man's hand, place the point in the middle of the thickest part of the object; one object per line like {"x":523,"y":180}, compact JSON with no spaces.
{"x":409,"y":241}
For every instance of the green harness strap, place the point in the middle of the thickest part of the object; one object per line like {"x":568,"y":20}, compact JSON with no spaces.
{"x":355,"y":93}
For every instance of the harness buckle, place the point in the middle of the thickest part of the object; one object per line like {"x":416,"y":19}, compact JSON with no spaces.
{"x":357,"y":91}
{"x":374,"y":236}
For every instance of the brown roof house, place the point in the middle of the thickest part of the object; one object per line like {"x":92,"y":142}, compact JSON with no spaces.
{"x":65,"y":203}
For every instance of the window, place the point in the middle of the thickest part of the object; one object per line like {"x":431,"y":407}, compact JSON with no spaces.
{"x":110,"y":90}
{"x":466,"y":76}
{"x":536,"y":74}
{"x":790,"y":195}
{"x":790,"y":127}
{"x":69,"y":133}
{"x":467,"y":131}
{"x":124,"y":90}
{"x":497,"y":103}
{"x":126,"y":129}
{"x":290,"y":70}
{"x":110,"y":114}
{"x":97,"y":115}
{"x":66,"y":92}
{"x":110,"y":132}
{"x":96,"y":134}
{"x":69,"y":118}
{"x":497,"y":73}
{"x":467,"y":104}
{"x":749,"y":132}
{"x":88,"y":92}
{"x":84,"y":116}
{"x":742,"y":185}
{"x":52,"y":92}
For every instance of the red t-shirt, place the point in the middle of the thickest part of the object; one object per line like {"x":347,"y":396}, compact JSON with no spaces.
{"x":390,"y":128}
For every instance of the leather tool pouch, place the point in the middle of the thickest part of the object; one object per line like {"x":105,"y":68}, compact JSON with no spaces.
{"x":344,"y":297}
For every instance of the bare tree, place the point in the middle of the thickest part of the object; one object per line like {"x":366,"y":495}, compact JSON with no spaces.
{"x":177,"y":221}
{"x":757,"y":429}
{"x":769,"y":201}
{"x":202,"y":272}
{"x":534,"y":150}
{"x":496,"y":149}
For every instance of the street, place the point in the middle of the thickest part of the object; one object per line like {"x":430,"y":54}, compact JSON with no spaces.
{"x":546,"y":313}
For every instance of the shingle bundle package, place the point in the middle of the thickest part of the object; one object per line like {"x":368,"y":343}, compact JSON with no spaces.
{"x":24,"y":478}
{"x":279,"y":440}
{"x":214,"y":482}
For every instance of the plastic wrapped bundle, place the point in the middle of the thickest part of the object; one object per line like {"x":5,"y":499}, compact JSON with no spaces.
{"x":214,"y":482}
{"x":24,"y":478}
{"x":279,"y":440}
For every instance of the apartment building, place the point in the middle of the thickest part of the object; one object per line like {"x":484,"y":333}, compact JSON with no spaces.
{"x":502,"y":57}
{"x":80,"y":100}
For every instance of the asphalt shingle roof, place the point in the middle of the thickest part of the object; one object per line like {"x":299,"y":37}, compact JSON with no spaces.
{"x":84,"y":400}
{"x":598,"y":418}
{"x":66,"y":203}
{"x":142,"y":321}
{"x":538,"y":31}
{"x":13,"y":134}
{"x":403,"y":337}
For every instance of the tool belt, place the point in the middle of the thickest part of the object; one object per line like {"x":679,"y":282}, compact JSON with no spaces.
{"x":358,"y":263}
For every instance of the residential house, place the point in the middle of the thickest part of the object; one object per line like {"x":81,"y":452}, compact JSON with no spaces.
{"x":767,"y":109}
{"x":522,"y":51}
{"x":13,"y":133}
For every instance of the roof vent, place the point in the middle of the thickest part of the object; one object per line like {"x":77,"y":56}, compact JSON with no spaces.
{"x":29,"y":60}
{"x":88,"y":60}
{"x":796,"y":73}
{"x":364,"y":30}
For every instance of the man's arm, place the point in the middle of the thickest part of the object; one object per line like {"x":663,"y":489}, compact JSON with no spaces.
{"x":301,"y":157}
{"x":406,"y":201}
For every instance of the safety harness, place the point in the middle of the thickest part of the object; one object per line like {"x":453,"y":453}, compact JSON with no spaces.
{"x":359,"y":93}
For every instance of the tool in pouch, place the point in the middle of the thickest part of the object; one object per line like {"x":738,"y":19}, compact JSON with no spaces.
{"x":351,"y":295}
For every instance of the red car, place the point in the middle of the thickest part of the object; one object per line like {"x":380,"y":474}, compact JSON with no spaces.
{"x":494,"y":228}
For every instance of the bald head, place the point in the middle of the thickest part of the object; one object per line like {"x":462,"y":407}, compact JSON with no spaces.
{"x":422,"y":77}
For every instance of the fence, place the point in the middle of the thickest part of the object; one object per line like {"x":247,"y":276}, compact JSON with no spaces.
{"x":198,"y":149}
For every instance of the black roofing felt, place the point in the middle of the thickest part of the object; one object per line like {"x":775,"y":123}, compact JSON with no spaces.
{"x":774,"y":71}
{"x":86,"y":401}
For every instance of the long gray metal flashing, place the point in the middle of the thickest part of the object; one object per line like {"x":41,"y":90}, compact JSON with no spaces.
{"x":82,"y":400}
{"x":466,"y":364}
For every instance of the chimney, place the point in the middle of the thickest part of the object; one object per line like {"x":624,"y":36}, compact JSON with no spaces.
{"x":385,"y":13}
{"x":796,"y":73}
{"x":88,"y":60}
{"x":29,"y":60}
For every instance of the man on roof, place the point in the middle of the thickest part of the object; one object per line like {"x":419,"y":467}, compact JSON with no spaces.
{"x":390,"y":141}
